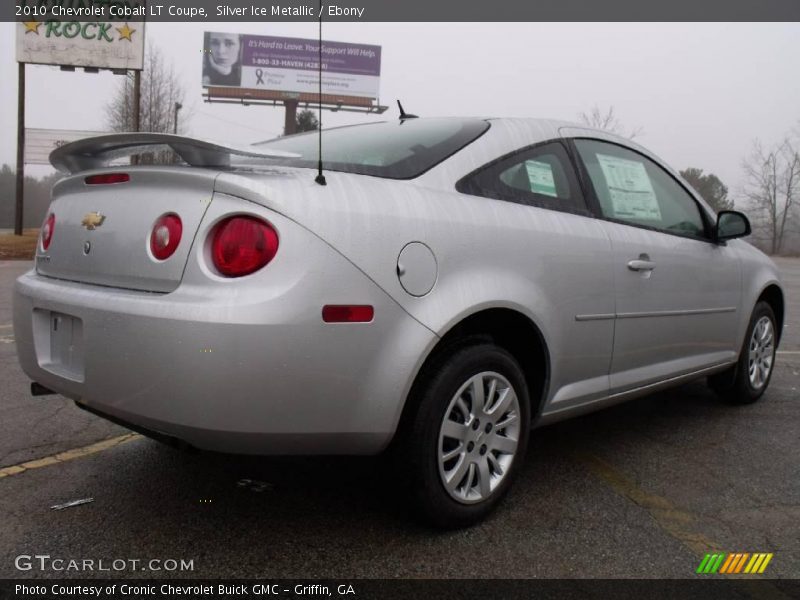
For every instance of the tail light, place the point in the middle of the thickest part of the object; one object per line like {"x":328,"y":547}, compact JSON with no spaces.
{"x":166,"y":236}
{"x":107,"y":178}
{"x":47,"y":231}
{"x":242,"y":245}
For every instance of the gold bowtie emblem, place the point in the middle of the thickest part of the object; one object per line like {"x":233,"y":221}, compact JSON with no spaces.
{"x":93,"y":220}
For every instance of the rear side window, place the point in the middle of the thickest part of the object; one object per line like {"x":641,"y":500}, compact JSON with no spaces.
{"x":633,"y":189}
{"x":539,"y":176}
{"x":395,"y":150}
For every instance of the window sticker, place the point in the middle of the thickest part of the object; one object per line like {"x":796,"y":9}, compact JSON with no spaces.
{"x":632,"y":194}
{"x":540,"y":176}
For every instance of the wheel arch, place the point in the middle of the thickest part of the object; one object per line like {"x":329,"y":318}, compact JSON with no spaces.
{"x":773,"y":295}
{"x":506,"y":327}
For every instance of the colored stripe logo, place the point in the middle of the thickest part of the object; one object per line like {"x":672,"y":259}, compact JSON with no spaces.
{"x":734,"y":562}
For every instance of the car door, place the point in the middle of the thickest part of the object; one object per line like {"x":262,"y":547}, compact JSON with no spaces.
{"x":677,"y":292}
{"x":566,"y":255}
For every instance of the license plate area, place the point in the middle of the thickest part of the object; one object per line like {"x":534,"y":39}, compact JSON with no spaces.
{"x":58,"y":338}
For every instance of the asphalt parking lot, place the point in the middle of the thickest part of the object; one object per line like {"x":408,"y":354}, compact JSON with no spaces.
{"x":641,"y":490}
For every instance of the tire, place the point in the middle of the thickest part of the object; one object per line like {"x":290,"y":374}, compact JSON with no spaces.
{"x":748,"y":379}
{"x":451,"y":431}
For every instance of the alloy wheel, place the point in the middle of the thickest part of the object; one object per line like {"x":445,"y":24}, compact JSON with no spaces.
{"x":479,"y":437}
{"x":761,"y":353}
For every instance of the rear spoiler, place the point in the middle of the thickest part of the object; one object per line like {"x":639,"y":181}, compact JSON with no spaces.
{"x":98,"y":151}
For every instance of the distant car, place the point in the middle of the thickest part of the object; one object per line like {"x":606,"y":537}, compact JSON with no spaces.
{"x":456,"y":282}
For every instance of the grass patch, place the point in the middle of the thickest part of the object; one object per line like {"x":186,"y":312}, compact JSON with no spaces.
{"x":19,"y":246}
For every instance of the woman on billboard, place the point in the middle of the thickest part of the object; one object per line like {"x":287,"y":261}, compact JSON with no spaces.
{"x":222,"y":59}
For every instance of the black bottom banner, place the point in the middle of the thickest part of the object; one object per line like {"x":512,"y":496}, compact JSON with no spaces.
{"x":427,"y":589}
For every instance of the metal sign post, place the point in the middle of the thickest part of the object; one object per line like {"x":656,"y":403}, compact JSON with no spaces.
{"x":20,"y":150}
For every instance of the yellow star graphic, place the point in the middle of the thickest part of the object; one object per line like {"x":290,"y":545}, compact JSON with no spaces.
{"x":32,"y":26}
{"x":126,"y":32}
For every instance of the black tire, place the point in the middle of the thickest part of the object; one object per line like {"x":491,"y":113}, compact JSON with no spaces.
{"x":734,"y":385}
{"x":420,"y":449}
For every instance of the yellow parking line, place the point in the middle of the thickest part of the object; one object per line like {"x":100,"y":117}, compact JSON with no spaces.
{"x":670,"y":518}
{"x":68,"y":455}
{"x":674,"y":522}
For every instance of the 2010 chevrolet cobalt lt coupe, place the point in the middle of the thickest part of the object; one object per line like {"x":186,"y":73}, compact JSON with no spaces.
{"x":456,"y":282}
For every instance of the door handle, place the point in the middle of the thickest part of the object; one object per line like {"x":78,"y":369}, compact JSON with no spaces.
{"x":643,"y":263}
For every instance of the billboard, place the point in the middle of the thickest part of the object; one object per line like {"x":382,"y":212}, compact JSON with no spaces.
{"x":103,"y":45}
{"x":290,"y":65}
{"x":39,"y":143}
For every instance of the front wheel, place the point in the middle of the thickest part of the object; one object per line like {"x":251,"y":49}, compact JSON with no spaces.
{"x":469,"y":435}
{"x":746,"y":382}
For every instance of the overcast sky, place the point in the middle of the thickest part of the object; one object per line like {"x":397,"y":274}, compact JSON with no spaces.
{"x":700,"y":92}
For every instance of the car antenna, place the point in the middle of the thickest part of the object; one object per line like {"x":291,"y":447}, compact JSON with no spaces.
{"x":403,"y":114}
{"x":320,"y":178}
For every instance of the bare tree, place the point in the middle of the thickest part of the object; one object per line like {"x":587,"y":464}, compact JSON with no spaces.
{"x":772,"y":186}
{"x":607,"y":120}
{"x":161,"y":91}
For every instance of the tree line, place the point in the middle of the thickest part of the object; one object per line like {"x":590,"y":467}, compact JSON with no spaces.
{"x":36,"y":192}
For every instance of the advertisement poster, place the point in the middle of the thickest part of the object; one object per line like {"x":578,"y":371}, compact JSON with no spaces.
{"x":290,"y":64}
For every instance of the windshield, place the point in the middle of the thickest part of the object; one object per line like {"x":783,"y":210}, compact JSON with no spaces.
{"x":395,"y":150}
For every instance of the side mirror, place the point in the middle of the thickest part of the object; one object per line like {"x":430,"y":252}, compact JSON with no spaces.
{"x":731,"y":225}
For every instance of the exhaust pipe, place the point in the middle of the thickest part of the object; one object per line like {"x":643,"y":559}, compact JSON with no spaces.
{"x":37,"y":389}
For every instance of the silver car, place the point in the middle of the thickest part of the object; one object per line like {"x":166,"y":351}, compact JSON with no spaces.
{"x":445,"y":287}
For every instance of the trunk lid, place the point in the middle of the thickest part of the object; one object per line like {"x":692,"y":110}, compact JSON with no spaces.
{"x":116,"y":252}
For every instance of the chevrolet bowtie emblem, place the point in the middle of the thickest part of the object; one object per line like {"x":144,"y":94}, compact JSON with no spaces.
{"x":93,"y":220}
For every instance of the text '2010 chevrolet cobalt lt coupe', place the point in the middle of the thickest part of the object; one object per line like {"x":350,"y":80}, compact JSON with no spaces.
{"x":456,"y":282}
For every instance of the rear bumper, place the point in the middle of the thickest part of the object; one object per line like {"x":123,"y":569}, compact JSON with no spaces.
{"x":249,"y":368}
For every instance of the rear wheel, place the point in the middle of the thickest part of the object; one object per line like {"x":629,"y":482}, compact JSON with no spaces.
{"x":746,"y":382}
{"x":469,"y":435}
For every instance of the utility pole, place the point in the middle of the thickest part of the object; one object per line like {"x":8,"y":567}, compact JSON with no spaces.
{"x":18,"y":207}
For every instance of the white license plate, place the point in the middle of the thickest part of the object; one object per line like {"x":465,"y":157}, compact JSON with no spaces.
{"x":59,"y":343}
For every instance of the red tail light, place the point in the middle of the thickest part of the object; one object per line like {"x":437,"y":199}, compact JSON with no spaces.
{"x":243,"y":245}
{"x":166,"y":236}
{"x":47,"y":231}
{"x":107,"y":178}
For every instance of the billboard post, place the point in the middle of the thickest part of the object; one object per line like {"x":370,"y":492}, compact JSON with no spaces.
{"x":290,"y":122}
{"x":20,"y":150}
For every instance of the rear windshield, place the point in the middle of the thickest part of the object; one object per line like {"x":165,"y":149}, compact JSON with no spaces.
{"x":395,"y":150}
